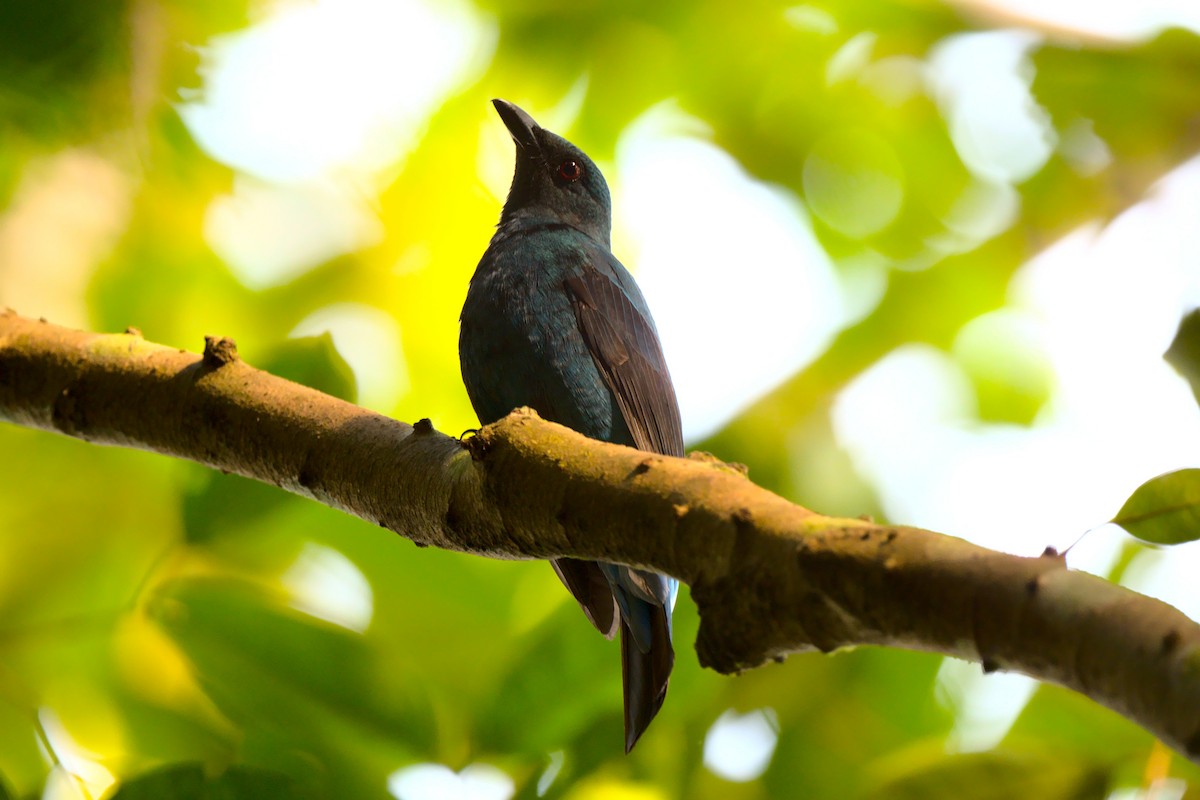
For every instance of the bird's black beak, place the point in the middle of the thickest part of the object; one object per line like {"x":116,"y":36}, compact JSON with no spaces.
{"x":520,"y":125}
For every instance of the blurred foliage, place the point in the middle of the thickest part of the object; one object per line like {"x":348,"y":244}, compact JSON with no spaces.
{"x":188,"y":782}
{"x":153,"y":642}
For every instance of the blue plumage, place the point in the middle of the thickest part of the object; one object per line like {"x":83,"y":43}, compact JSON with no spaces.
{"x":553,"y":321}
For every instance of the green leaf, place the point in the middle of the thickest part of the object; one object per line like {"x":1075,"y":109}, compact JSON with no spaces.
{"x":929,"y":774}
{"x":1184,"y":352}
{"x":181,"y":782}
{"x":228,"y":504}
{"x":314,"y":362}
{"x":1164,"y":510}
{"x":188,"y":782}
{"x":266,"y":665}
{"x":1073,"y":727}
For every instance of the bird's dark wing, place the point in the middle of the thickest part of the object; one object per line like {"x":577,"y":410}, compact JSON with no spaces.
{"x":587,"y":583}
{"x":626,"y":350}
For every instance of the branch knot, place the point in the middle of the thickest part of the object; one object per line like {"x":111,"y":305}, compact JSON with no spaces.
{"x":219,"y":351}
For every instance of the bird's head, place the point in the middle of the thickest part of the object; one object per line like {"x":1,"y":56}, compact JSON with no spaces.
{"x":554,"y":180}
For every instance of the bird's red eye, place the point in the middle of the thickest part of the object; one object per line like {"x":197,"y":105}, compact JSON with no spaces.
{"x":570,"y":171}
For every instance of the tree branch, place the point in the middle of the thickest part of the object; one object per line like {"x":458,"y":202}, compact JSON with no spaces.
{"x":769,"y":577}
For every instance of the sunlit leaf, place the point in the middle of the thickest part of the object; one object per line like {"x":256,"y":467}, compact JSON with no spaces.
{"x":1165,"y":509}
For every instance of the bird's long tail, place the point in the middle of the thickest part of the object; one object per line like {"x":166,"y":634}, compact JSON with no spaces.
{"x":644,"y":674}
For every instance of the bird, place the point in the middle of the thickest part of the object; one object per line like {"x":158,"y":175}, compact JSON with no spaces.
{"x":554,"y":322}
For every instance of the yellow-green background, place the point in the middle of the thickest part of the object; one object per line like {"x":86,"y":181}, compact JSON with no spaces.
{"x":141,"y":610}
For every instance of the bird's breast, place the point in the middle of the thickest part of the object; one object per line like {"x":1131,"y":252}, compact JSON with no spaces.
{"x":520,"y":345}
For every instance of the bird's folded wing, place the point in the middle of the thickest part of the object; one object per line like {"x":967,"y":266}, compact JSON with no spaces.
{"x":590,"y":587}
{"x":625,"y":348}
